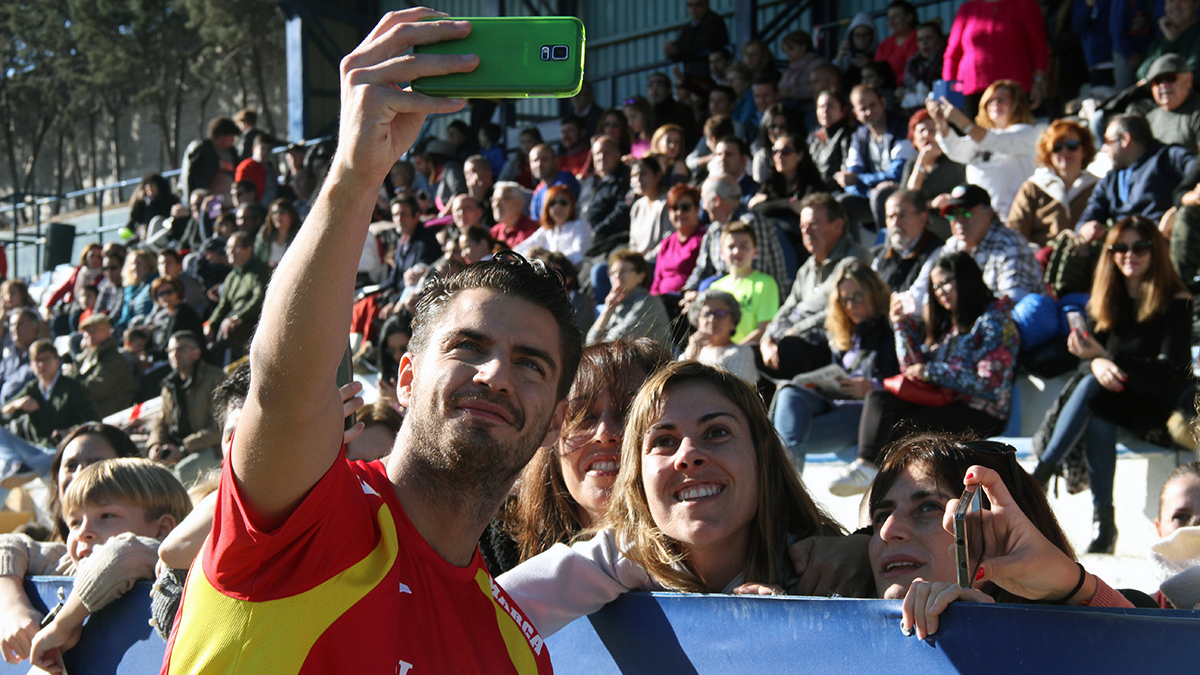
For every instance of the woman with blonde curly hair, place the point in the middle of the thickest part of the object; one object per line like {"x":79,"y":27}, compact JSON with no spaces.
{"x":706,"y":501}
{"x":1053,"y":199}
{"x":997,"y":147}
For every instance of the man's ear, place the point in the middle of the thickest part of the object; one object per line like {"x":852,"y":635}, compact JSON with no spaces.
{"x":404,"y":380}
{"x":556,"y":424}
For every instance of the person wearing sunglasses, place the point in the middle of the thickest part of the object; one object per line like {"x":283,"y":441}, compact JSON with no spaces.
{"x":1145,"y":177}
{"x":715,"y":316}
{"x":171,"y":315}
{"x":559,"y":227}
{"x":1025,"y":558}
{"x":1053,"y":199}
{"x":860,"y":338}
{"x":1136,"y":362}
{"x":1175,"y":119}
{"x":1009,"y":268}
{"x":967,"y":347}
{"x":792,"y":173}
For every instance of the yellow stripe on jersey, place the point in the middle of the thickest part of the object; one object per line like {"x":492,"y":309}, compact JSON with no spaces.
{"x":221,"y":634}
{"x":519,"y":650}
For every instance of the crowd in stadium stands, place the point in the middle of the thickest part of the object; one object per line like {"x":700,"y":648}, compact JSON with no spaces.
{"x":867,"y":264}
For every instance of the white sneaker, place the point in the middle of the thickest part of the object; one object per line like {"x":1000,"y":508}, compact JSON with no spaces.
{"x":854,"y":481}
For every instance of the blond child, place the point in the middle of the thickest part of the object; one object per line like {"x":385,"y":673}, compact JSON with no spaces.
{"x":757,"y":293}
{"x":117,"y":511}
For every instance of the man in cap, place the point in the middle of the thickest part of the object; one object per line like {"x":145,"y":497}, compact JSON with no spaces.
{"x":1176,"y":119}
{"x":1009,"y":268}
{"x":102,"y":369}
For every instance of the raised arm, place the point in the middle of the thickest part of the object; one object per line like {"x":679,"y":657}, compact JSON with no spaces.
{"x":291,"y":430}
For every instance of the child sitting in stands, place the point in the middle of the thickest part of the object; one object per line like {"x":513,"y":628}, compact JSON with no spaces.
{"x":756,"y":293}
{"x":116,"y":511}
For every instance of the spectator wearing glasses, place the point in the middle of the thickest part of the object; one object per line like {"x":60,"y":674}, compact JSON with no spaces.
{"x":1007,"y":263}
{"x":1135,"y":364}
{"x":967,"y":344}
{"x":1053,"y":199}
{"x":715,"y":316}
{"x":629,"y":310}
{"x":675,"y":256}
{"x":1144,"y":177}
{"x":560,"y":228}
{"x":172,"y":315}
{"x":910,"y":243}
{"x":1176,"y":118}
{"x":860,"y":340}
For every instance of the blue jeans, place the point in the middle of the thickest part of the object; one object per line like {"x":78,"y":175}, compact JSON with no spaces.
{"x":16,"y":449}
{"x":811,"y":423}
{"x":1075,"y":419}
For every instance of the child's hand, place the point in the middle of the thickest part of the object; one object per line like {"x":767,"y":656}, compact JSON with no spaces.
{"x":49,"y":645}
{"x":18,"y":626}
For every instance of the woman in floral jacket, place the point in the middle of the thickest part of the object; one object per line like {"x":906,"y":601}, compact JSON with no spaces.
{"x":969,"y":346}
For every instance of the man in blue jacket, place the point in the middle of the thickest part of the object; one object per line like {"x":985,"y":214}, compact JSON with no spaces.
{"x":878,"y":150}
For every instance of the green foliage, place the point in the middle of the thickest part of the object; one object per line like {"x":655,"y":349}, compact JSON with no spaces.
{"x":64,"y":61}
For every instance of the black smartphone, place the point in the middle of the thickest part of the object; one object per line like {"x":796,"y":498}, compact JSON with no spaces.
{"x":345,"y":375}
{"x":968,"y":535}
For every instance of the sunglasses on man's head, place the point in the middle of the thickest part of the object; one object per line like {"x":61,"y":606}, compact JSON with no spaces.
{"x":1139,"y":247}
{"x":1067,"y":145}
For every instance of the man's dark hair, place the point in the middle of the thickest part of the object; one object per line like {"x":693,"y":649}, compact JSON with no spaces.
{"x":578,"y":123}
{"x":478,"y":234}
{"x":172,"y":254}
{"x":246,"y":185}
{"x":253,"y":211}
{"x":511,"y":274}
{"x":727,"y":90}
{"x":767,"y":78}
{"x":223,"y":126}
{"x":833,"y":208}
{"x":492,"y":131}
{"x":136,"y":334}
{"x":190,"y":337}
{"x":1135,"y":125}
{"x":406,"y":199}
{"x":532,"y":131}
{"x":742,"y":146}
{"x":934,"y":26}
{"x":231,"y":393}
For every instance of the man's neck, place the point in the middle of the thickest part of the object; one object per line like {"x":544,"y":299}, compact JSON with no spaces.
{"x":879,"y":128}
{"x":186,"y":373}
{"x":448,"y":519}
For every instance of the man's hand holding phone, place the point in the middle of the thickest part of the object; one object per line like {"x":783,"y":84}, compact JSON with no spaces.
{"x":380,"y":121}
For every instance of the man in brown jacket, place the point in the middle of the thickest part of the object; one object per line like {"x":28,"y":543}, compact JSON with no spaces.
{"x":186,"y":435}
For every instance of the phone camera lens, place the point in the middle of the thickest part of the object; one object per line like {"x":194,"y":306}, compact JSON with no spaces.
{"x":560,"y":53}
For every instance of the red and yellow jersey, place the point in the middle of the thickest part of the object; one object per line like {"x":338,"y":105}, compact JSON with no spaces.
{"x":345,"y":585}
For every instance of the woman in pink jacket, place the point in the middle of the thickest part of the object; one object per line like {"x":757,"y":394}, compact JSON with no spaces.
{"x":996,"y":40}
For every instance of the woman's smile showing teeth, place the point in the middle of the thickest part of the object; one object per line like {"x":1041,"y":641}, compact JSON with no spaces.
{"x":695,"y":493}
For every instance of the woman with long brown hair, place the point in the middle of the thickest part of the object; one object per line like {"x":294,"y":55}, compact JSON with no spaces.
{"x":1135,"y":364}
{"x":706,"y":501}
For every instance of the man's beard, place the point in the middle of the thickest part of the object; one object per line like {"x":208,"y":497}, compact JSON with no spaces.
{"x":461,"y":456}
{"x":899,"y":240}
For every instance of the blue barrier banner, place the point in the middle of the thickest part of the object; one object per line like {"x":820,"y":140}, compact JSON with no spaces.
{"x":676,"y":634}
{"x":665,"y":633}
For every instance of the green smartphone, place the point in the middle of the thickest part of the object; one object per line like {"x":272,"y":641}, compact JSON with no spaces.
{"x":519,"y":57}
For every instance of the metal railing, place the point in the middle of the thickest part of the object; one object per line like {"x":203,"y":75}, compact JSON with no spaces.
{"x":36,"y":201}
